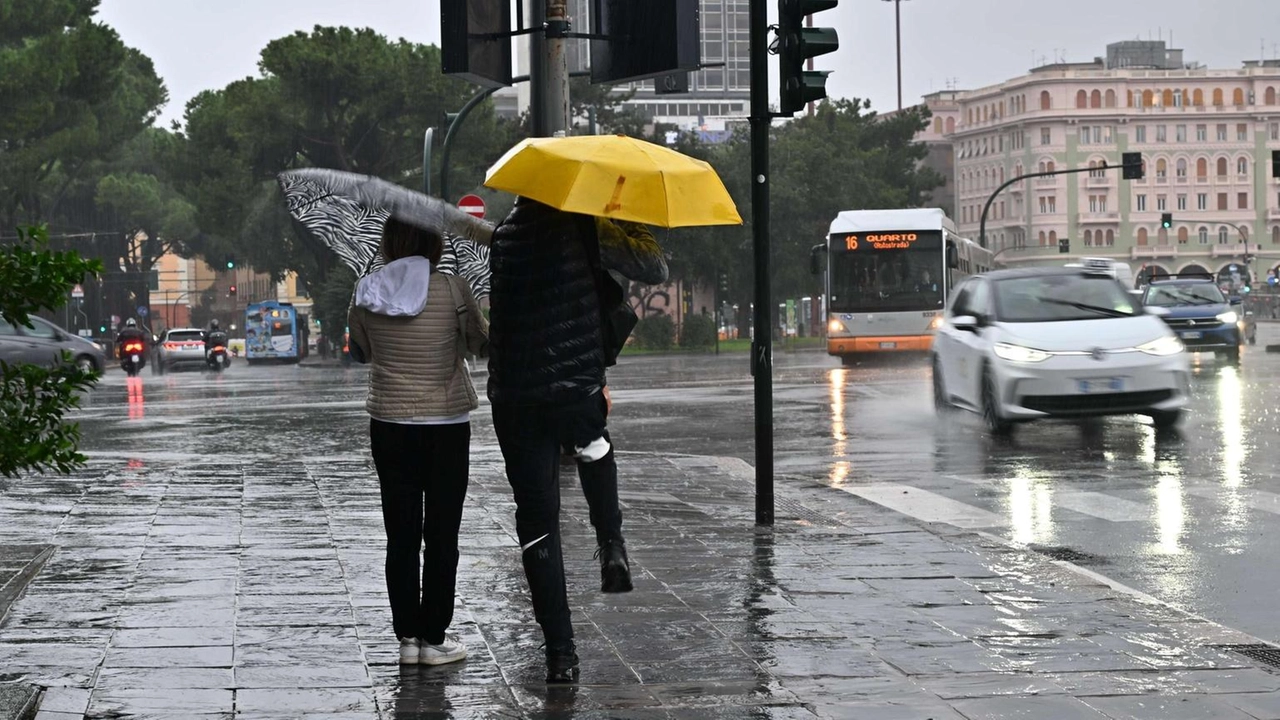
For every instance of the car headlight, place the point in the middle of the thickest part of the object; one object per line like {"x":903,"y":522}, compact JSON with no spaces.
{"x":1229,"y":317}
{"x":835,"y":326}
{"x":1164,"y":346}
{"x":1018,"y":353}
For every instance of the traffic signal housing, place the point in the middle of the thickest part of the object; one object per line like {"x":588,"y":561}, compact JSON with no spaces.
{"x":1166,"y":220}
{"x":796,"y":44}
{"x":1132,"y":166}
{"x":231,"y":291}
{"x":1064,"y":245}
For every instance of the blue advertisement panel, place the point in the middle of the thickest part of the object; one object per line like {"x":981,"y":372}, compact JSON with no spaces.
{"x":271,"y":331}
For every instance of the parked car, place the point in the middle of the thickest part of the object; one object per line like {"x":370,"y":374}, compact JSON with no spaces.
{"x":180,"y":347}
{"x":1018,"y":345}
{"x":1204,"y":318}
{"x":43,"y":344}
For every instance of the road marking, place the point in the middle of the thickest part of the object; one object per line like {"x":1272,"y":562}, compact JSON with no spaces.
{"x":925,"y":505}
{"x":1256,"y":499}
{"x":1093,"y":504}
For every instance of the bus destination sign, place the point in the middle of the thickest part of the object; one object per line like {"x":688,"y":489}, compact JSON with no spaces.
{"x":877,"y":241}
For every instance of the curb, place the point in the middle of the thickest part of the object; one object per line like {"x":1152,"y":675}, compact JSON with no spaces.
{"x":19,"y":702}
{"x":14,"y":586}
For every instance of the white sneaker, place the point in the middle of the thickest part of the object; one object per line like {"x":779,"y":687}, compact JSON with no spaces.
{"x":451,"y":650}
{"x":410,"y":651}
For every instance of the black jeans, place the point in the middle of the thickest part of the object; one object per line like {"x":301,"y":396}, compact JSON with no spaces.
{"x":599,"y":482}
{"x":423,"y":471}
{"x":531,"y":438}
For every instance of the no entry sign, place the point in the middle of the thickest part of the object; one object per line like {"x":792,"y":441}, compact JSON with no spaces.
{"x":472,"y":205}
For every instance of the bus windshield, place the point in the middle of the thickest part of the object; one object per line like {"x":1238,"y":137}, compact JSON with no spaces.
{"x":868,"y":274}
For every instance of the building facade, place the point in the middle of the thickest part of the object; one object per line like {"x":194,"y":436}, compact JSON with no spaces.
{"x":1206,"y":136}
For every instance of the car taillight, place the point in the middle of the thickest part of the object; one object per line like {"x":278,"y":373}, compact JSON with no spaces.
{"x":170,"y":346}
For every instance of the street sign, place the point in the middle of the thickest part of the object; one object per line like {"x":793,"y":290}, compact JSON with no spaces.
{"x":472,"y":205}
{"x":115,"y":320}
{"x":143,"y":310}
{"x":77,"y":292}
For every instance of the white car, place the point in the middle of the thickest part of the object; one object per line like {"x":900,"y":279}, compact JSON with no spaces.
{"x":1018,"y":345}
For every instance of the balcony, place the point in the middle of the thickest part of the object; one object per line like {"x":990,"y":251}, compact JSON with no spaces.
{"x":1273,"y":213}
{"x":1095,"y":182}
{"x":1152,"y":252}
{"x":1099,"y":217}
{"x":1047,"y":182}
{"x":1234,"y":250}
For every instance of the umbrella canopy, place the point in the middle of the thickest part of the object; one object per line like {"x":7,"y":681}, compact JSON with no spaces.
{"x":346,"y":212}
{"x":617,"y":177}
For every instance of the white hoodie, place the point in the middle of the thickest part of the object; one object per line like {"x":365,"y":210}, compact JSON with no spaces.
{"x":399,"y":289}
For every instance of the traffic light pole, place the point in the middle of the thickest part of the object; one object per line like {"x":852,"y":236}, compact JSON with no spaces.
{"x":762,"y":335}
{"x":982,"y":225}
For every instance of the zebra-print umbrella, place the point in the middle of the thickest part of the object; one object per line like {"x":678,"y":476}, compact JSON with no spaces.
{"x":346,"y":212}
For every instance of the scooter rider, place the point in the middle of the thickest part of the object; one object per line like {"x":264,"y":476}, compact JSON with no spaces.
{"x":214,"y":337}
{"x":131,"y":332}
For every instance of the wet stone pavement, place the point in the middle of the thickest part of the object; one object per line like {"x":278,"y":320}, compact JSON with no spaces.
{"x":244,"y":588}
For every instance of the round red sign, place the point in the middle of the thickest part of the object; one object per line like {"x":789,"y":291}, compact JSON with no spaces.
{"x":472,"y":205}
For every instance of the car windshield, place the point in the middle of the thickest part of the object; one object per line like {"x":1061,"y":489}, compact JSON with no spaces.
{"x":184,"y":336}
{"x":1061,"y":297}
{"x":1184,"y":294}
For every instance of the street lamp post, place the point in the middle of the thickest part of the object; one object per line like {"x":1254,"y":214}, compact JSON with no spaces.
{"x":897,"y":31}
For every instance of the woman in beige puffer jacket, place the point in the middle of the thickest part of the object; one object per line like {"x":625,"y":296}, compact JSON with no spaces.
{"x":414,"y":325}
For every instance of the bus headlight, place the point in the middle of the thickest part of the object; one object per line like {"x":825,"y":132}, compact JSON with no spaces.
{"x":935,"y":322}
{"x":835,"y":326}
{"x":1020,"y":354}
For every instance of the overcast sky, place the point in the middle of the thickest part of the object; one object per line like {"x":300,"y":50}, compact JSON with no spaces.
{"x":205,"y":44}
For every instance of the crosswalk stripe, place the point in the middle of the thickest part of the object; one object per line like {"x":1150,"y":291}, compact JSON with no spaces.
{"x":1093,"y":504}
{"x":1256,"y":499}
{"x":925,"y":505}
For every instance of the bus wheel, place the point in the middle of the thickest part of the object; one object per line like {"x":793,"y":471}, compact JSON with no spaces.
{"x":848,"y":360}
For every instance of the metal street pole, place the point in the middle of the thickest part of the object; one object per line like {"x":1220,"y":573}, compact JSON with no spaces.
{"x":557,"y":79}
{"x":762,"y":336}
{"x":449,"y":135}
{"x":982,"y":224}
{"x":538,"y":68}
{"x":897,"y":31}
{"x":427,"y":138}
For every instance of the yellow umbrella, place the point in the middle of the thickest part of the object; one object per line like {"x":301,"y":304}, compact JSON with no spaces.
{"x":617,"y":177}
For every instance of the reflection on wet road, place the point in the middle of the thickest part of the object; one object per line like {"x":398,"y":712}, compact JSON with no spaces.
{"x":1191,"y":517}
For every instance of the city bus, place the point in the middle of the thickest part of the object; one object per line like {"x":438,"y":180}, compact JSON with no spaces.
{"x":272,"y":332}
{"x":888,"y":275}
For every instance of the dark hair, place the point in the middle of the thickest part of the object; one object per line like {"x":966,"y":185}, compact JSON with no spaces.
{"x":402,"y":240}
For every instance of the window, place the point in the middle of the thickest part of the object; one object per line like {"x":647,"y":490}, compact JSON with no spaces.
{"x":1095,"y":99}
{"x":1202,"y":169}
{"x":1182,"y":235}
{"x":1202,"y":201}
{"x":1161,"y":134}
{"x":1197,"y":97}
{"x":1162,"y":168}
{"x":1222,"y":130}
{"x":1167,"y":99}
{"x":1217,"y":96}
{"x":1046,"y":100}
{"x":1181,"y":168}
{"x":1111,"y":238}
{"x":1177,"y":98}
{"x":1085,"y":135}
{"x":1222,"y":167}
{"x":1242,"y":166}
{"x":1180,"y":133}
{"x":1053,"y":204}
{"x":1142,"y":236}
{"x":1237,"y":97}
{"x":1142,"y":203}
{"x":1162,"y":237}
{"x":1202,"y":133}
{"x":1042,"y":238}
{"x":1088,"y":238}
{"x":951,"y":125}
{"x":1222,"y":235}
{"x":1275,"y":131}
{"x":1111,"y":98}
{"x":1269,"y":97}
{"x":1242,"y":132}
{"x":1082,"y":99}
{"x":1162,"y":202}
{"x":1097,"y":203}
{"x":1140,"y":134}
{"x":1182,"y":201}
{"x":1204,"y":236}
{"x":1275,"y":235}
{"x":40,"y":330}
{"x":1222,"y":201}
{"x":1242,"y":201}
{"x":1046,"y":137}
{"x":1044,"y":205}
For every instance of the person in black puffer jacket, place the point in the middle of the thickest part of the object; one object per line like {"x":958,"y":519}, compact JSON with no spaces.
{"x":546,"y":385}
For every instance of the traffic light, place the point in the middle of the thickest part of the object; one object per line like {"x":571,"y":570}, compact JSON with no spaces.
{"x":1166,"y":220}
{"x":724,"y":282}
{"x":231,"y":263}
{"x":796,"y":44}
{"x":1064,"y":245}
{"x":1133,"y":167}
{"x":232,"y":291}
{"x":102,"y":329}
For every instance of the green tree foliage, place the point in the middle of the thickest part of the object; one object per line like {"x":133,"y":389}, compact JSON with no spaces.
{"x":33,"y":399}
{"x":697,"y":331}
{"x":333,"y":299}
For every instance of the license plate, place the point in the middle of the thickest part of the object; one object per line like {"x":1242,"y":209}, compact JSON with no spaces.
{"x":888,"y":345}
{"x":1101,"y":385}
{"x":1191,"y":334}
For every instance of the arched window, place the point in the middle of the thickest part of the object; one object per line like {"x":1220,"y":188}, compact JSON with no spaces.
{"x":1222,"y":167}
{"x":1202,"y":168}
{"x":951,"y":125}
{"x":1182,"y":235}
{"x":1242,"y":166}
{"x":1111,"y":238}
{"x":1053,"y":238}
{"x":1167,"y":99}
{"x":986,"y":114}
{"x":1197,"y":97}
{"x":1088,"y":238}
{"x":1017,"y":170}
{"x":1095,"y":99}
{"x":1275,"y":235}
{"x":1129,"y":95}
{"x":1269,"y":96}
{"x":1046,"y":100}
{"x":1162,"y":237}
{"x":1002,"y":175}
{"x":1203,"y":236}
{"x":1162,"y":168}
{"x":1217,"y":96}
{"x":937,"y":126}
{"x":1180,"y":168}
{"x":1148,"y":98}
{"x":1222,"y":234}
{"x":1110,"y":99}
{"x":1142,"y":236}
{"x":1050,"y":165}
{"x":1042,"y":238}
{"x":968,"y":115}
{"x":1237,"y":97}
{"x":1082,"y":99}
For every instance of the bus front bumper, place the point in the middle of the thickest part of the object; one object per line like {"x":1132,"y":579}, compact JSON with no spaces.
{"x":910,"y":343}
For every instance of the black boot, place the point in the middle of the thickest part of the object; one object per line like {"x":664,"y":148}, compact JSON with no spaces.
{"x":615,"y":570}
{"x":562,"y":663}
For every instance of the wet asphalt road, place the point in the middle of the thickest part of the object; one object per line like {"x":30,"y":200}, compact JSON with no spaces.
{"x":1192,"y":519}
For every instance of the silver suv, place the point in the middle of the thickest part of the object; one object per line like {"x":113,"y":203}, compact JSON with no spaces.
{"x":180,"y":347}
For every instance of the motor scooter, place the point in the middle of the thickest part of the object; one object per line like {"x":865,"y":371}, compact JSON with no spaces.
{"x":132,"y":358}
{"x":217,"y":358}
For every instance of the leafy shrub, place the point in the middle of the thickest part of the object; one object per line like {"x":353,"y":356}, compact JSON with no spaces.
{"x":697,"y":331}
{"x":655,"y":332}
